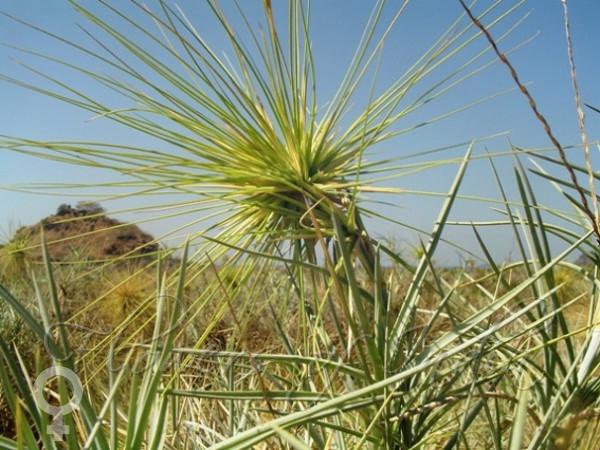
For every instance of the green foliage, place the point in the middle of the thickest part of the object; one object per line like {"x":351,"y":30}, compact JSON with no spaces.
{"x":285,"y":328}
{"x":14,"y":258}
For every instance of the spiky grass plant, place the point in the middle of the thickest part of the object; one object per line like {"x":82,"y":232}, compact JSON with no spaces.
{"x":365,"y":363}
{"x":251,"y":141}
{"x":268,"y":170}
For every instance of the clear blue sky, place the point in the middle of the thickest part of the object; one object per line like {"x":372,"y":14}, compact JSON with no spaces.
{"x":336,"y":29}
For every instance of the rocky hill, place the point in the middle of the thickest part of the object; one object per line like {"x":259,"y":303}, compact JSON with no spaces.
{"x":85,"y":232}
